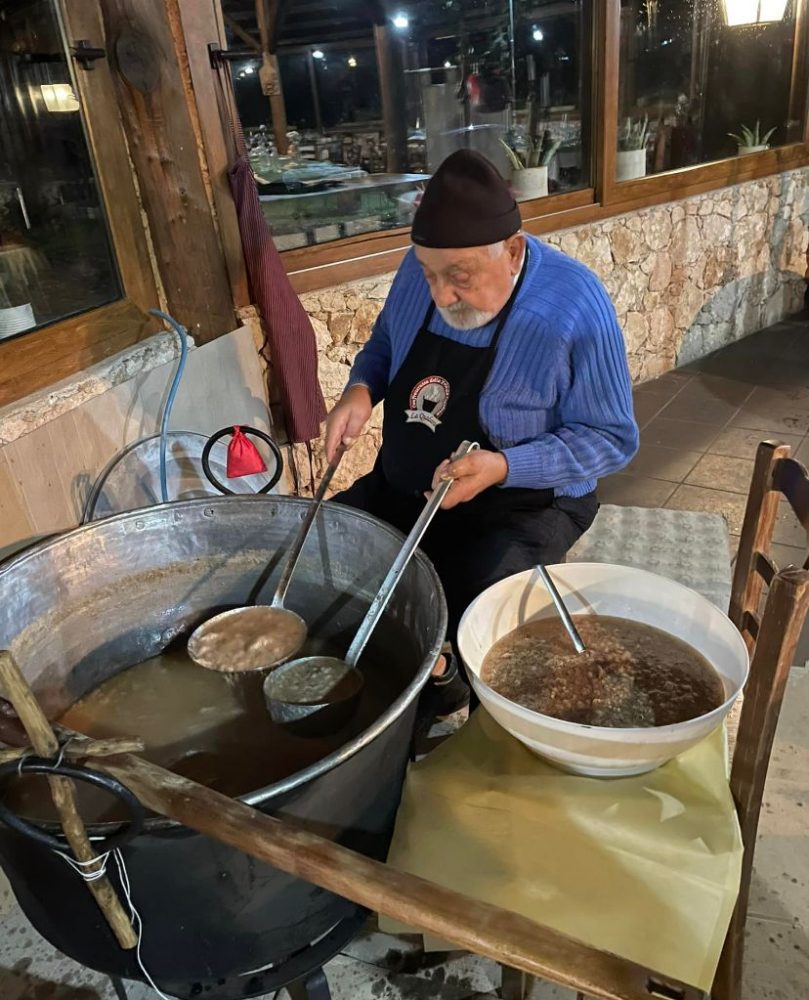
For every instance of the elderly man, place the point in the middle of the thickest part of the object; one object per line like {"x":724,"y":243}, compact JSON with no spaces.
{"x":488,"y":335}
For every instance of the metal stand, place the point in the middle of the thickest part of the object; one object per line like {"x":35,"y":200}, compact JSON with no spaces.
{"x":118,"y":986}
{"x":314,"y":987}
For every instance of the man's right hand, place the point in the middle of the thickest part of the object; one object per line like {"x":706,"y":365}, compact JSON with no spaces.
{"x":345,"y":422}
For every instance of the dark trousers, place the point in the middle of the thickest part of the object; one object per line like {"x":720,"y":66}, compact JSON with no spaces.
{"x":472,"y":548}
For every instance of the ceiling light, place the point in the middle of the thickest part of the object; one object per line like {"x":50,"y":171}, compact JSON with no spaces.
{"x":537,"y":34}
{"x":59,"y":97}
{"x":401,"y":21}
{"x":352,"y":62}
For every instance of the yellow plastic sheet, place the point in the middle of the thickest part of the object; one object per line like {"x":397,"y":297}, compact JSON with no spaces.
{"x":646,"y":867}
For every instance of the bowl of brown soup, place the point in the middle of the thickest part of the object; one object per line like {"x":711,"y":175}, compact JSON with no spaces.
{"x":662,"y":669}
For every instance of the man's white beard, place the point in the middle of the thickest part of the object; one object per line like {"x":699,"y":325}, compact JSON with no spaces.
{"x":462,"y":317}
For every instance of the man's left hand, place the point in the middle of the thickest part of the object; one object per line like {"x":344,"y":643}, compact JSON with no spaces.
{"x":472,"y":474}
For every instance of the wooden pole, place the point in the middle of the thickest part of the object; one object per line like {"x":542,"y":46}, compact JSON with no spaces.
{"x":63,"y":791}
{"x":267,"y":12}
{"x":478,"y":927}
{"x":313,"y":86}
{"x":391,"y":86}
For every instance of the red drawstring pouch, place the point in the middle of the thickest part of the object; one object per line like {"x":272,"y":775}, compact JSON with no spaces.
{"x":243,"y":456}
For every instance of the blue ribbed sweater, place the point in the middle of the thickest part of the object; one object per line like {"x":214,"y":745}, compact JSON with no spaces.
{"x":558,"y":401}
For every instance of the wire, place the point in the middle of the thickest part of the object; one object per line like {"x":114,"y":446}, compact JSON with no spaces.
{"x":182,"y":333}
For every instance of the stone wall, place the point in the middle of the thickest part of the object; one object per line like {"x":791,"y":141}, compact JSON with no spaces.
{"x":686,"y":278}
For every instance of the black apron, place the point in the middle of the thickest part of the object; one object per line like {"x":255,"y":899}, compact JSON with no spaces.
{"x":432,"y":405}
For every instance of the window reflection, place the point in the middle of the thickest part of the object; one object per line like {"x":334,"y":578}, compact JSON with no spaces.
{"x":373,"y":110}
{"x":701,"y":80}
{"x":55,"y":255}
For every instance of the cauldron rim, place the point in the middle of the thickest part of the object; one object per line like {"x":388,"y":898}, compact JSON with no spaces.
{"x":303,"y":777}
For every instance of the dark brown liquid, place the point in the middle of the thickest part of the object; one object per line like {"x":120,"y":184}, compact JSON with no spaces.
{"x":631,"y":675}
{"x":211,"y":727}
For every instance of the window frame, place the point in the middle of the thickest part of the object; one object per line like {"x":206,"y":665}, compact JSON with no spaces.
{"x":364,"y":256}
{"x":35,"y":360}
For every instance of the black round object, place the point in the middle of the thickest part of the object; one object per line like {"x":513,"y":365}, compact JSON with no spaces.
{"x":250,"y":431}
{"x":38,"y":765}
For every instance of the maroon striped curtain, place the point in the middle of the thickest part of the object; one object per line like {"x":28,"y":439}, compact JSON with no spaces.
{"x":290,"y":337}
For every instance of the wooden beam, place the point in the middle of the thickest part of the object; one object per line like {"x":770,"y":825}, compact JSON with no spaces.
{"x":468,"y":923}
{"x":160,"y":119}
{"x":267,"y":14}
{"x":241,"y":34}
{"x":200,"y":24}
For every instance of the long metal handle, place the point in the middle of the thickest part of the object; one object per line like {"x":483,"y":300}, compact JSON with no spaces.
{"x":561,"y":607}
{"x":380,"y":602}
{"x":303,"y":532}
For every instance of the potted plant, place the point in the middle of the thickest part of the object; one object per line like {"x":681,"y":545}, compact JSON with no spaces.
{"x":751,"y":141}
{"x":631,"y":159}
{"x":529,"y":166}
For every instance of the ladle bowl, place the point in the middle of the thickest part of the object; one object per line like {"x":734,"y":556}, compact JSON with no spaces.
{"x":295,"y":699}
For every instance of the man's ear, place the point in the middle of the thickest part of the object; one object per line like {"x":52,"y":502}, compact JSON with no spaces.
{"x":515,"y":245}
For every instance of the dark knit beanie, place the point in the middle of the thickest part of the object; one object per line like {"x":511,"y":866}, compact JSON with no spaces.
{"x":466,"y":204}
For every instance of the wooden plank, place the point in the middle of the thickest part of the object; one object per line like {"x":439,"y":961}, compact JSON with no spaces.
{"x":200,"y":25}
{"x":608,"y":46}
{"x":785,"y":614}
{"x":756,"y":536}
{"x":156,"y":99}
{"x":105,"y":133}
{"x":467,"y":923}
{"x":46,"y":356}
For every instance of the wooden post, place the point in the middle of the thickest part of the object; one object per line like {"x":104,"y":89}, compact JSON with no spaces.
{"x":158,"y":107}
{"x":313,"y":85}
{"x":394,"y":106}
{"x":267,"y":14}
{"x":63,"y":791}
{"x":201,"y":25}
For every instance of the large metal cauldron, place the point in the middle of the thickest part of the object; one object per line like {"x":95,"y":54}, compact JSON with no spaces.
{"x":79,"y":609}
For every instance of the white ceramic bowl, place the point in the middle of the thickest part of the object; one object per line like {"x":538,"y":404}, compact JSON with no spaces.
{"x":601,"y":588}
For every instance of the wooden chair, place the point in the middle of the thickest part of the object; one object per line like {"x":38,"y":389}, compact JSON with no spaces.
{"x":772,"y":637}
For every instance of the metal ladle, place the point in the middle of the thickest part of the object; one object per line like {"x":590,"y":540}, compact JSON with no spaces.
{"x":561,"y":608}
{"x":260,"y":636}
{"x":291,"y":692}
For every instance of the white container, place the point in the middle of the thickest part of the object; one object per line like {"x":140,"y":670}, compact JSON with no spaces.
{"x":630,"y":164}
{"x":747,"y":150}
{"x":601,"y":588}
{"x":16,"y":319}
{"x":531,"y":182}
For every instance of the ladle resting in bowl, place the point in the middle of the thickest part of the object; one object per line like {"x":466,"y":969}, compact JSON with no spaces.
{"x":319,"y":693}
{"x":260,"y":636}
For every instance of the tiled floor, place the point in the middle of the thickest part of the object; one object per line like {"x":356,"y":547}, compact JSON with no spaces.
{"x":700,"y":428}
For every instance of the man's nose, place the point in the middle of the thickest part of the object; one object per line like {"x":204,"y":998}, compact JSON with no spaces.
{"x":443,"y":294}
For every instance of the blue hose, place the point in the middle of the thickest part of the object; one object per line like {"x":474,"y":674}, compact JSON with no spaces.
{"x":182,"y":333}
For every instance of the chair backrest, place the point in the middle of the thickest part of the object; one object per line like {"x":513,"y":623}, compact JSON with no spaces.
{"x":772,"y":637}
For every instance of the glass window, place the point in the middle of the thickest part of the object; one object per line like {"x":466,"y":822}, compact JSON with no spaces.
{"x":701,"y":80}
{"x":55,"y":253}
{"x":373,"y":112}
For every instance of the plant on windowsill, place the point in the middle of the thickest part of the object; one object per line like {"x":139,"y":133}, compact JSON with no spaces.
{"x":751,"y":141}
{"x":529,"y":166}
{"x":631,"y":159}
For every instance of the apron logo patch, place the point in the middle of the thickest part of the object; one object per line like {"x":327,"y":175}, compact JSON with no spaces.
{"x":428,"y":400}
